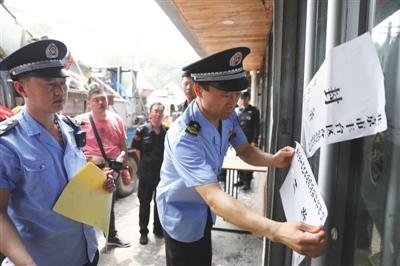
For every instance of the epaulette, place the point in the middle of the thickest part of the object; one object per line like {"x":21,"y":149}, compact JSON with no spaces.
{"x":193,"y":128}
{"x":7,"y":125}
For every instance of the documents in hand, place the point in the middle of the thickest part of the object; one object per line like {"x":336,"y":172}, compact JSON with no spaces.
{"x":301,"y":198}
{"x":84,"y":199}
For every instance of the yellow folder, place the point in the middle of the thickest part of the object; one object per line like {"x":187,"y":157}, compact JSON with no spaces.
{"x":84,"y":199}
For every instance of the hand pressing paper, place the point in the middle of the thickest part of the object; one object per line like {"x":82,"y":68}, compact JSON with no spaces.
{"x":301,"y":198}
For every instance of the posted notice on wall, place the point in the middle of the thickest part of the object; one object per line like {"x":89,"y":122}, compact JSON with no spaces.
{"x":346,"y":97}
{"x":301,"y":198}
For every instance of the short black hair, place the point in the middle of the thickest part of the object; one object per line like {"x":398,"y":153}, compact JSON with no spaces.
{"x":186,"y":74}
{"x":154,"y":104}
{"x":95,"y":88}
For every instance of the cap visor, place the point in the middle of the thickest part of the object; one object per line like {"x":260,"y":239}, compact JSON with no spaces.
{"x":49,"y":73}
{"x":230,"y":85}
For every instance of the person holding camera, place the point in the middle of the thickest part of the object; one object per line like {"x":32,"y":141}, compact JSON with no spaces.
{"x":105,"y":141}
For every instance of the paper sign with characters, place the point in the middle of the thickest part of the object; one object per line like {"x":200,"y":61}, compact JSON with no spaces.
{"x":301,"y":198}
{"x":346,"y":97}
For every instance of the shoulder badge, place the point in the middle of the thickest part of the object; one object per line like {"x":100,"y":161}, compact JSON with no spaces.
{"x":193,"y":128}
{"x":7,"y":125}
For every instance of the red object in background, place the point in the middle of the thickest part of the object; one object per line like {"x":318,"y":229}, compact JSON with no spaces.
{"x":5,"y":112}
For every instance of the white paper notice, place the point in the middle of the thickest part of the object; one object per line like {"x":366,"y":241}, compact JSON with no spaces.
{"x":301,"y":198}
{"x":346,"y":97}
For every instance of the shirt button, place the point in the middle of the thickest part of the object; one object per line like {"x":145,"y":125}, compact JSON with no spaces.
{"x":42,"y":167}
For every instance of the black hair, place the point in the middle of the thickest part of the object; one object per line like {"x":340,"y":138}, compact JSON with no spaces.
{"x":156,"y":103}
{"x":186,"y":74}
{"x":95,"y":88}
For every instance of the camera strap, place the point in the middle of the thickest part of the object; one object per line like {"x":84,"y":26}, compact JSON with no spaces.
{"x":98,"y":139}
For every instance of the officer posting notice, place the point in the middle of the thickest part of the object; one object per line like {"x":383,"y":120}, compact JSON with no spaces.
{"x":189,"y":196}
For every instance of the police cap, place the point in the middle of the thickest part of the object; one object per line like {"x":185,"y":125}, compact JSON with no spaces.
{"x":223,"y":70}
{"x":41,"y":59}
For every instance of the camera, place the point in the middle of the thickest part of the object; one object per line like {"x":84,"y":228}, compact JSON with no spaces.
{"x":115,"y":165}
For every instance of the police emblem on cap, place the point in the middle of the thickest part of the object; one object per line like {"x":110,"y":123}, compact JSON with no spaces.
{"x":43,"y":58}
{"x":223,"y":70}
{"x":236,"y":59}
{"x":52,"y":51}
{"x":193,"y":128}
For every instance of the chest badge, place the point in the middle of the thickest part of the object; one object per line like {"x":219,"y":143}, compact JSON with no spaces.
{"x":193,"y":128}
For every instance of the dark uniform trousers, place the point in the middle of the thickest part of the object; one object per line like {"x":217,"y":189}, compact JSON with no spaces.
{"x":147,"y":192}
{"x":197,"y":253}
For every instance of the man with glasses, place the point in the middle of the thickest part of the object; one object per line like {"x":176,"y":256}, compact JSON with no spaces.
{"x":106,"y":146}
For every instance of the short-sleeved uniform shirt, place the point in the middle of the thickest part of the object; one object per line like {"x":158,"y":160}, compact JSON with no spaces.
{"x":35,"y":169}
{"x":151,"y":147}
{"x":111,"y":131}
{"x":192,"y":160}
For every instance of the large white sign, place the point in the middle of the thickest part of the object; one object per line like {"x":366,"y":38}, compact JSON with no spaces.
{"x":346,"y":97}
{"x":301,"y":198}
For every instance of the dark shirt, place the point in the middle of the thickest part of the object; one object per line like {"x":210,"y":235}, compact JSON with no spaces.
{"x":249,"y":120}
{"x":182,"y":107}
{"x":151,"y":147}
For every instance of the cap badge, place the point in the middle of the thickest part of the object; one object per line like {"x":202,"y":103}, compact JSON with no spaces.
{"x":193,"y":128}
{"x":51,"y":51}
{"x":236,"y":59}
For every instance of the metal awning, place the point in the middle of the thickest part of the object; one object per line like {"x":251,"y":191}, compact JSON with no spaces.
{"x":214,"y":25}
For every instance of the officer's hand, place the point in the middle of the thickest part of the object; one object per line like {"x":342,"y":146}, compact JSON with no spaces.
{"x":126,"y":177}
{"x":283,"y":157}
{"x":109,"y":183}
{"x":305,"y":239}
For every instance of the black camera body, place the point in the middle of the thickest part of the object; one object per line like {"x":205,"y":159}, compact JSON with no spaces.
{"x":115,"y":165}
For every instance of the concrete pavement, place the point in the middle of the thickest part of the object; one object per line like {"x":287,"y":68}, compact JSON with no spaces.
{"x":228,"y":248}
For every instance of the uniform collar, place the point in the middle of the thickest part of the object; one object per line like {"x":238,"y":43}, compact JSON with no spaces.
{"x":208,"y":131}
{"x":248,"y":107}
{"x":63,"y":125}
{"x":150,"y":126}
{"x":32,"y":127}
{"x":29,"y":124}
